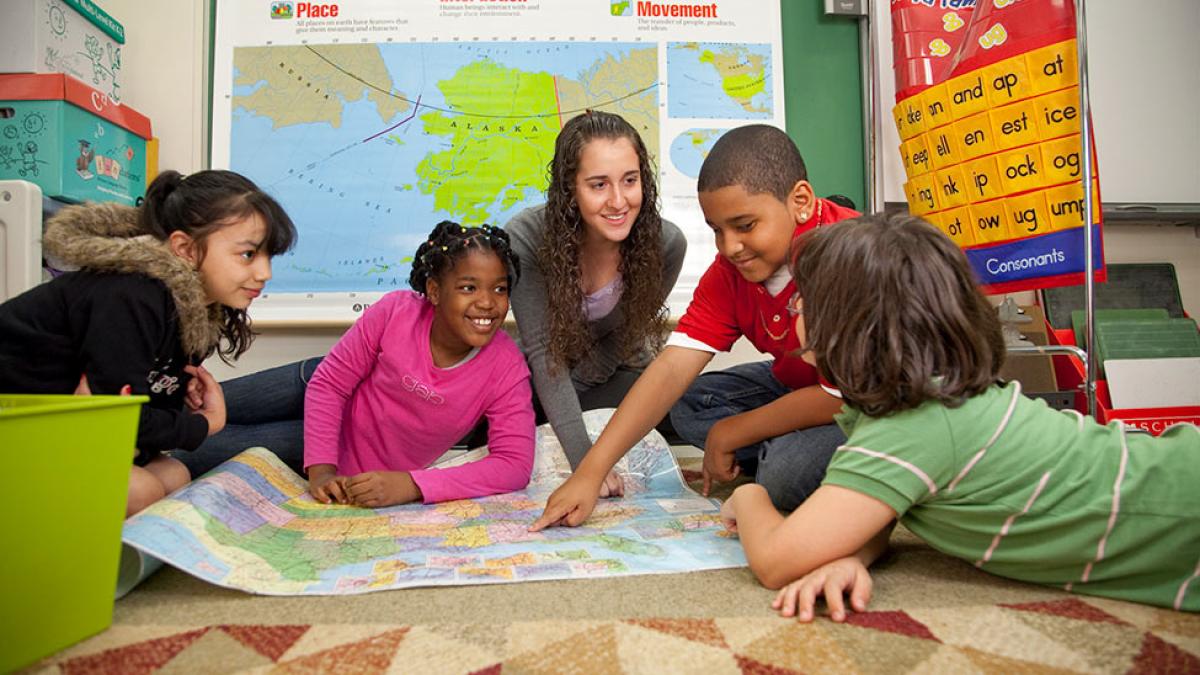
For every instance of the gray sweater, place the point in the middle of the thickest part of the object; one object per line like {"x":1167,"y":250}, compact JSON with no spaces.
{"x":558,"y":391}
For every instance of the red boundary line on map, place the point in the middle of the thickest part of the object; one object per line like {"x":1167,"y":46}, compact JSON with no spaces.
{"x":557,"y":104}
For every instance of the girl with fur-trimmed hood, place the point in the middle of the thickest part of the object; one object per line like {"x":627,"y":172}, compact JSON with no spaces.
{"x":157,"y":290}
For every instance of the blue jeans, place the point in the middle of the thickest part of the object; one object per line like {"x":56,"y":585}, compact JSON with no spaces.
{"x":792,"y":466}
{"x":262,"y":409}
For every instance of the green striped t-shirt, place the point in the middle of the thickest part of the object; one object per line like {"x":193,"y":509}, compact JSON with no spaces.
{"x":1031,"y":493}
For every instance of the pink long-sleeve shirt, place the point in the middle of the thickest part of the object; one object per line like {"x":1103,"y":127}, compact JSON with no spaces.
{"x":378,"y":403}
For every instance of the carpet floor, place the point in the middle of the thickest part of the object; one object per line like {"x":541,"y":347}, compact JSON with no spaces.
{"x":930,"y":613}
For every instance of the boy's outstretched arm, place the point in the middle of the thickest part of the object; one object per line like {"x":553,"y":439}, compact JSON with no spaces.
{"x":658,"y":388}
{"x":833,"y":523}
{"x":844,"y":575}
{"x":803,"y":408}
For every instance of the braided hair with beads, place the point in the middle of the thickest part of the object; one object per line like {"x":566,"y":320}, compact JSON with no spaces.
{"x":450,"y":241}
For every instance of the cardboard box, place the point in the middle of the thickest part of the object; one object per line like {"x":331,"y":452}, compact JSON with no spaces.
{"x":59,"y":570}
{"x":71,"y":140}
{"x":1034,"y":372}
{"x":63,"y":36}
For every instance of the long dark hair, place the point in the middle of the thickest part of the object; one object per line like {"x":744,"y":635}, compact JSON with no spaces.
{"x":641,"y":252}
{"x":450,"y":241}
{"x":894,"y":315}
{"x":202,"y":203}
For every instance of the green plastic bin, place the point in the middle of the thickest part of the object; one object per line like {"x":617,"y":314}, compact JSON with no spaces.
{"x":67,"y":462}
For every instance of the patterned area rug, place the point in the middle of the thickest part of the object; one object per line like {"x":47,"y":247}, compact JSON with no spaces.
{"x":930,"y":614}
{"x":1070,"y":635}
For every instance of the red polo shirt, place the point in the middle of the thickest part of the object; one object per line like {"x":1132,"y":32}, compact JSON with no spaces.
{"x":725,"y":306}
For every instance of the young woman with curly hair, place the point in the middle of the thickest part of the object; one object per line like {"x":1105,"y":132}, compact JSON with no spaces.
{"x":598,"y":262}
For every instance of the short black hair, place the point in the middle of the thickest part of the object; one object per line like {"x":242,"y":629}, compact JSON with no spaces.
{"x":842,"y":200}
{"x":450,"y":241}
{"x":759,"y":157}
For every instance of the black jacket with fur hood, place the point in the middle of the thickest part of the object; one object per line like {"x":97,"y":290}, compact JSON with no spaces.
{"x":135,"y":314}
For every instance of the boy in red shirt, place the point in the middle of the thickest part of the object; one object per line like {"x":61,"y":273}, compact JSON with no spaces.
{"x":772,"y":418}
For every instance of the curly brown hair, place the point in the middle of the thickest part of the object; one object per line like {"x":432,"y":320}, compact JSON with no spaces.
{"x":641,"y":263}
{"x":894,"y":315}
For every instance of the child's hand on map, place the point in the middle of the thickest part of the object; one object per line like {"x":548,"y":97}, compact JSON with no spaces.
{"x":375,"y":489}
{"x":831,"y":580}
{"x":570,"y":504}
{"x":326,"y":486}
{"x":613,"y":485}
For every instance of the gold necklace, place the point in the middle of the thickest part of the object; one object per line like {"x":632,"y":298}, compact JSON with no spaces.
{"x":777,"y":338}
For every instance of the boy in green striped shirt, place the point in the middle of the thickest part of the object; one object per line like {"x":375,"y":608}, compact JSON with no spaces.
{"x":890,"y":314}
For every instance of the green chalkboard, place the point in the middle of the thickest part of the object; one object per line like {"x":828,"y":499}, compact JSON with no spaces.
{"x":822,"y":76}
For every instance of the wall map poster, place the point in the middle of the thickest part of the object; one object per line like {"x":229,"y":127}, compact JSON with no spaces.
{"x":372,"y":120}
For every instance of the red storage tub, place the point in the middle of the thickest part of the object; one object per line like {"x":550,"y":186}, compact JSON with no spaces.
{"x":1070,"y":372}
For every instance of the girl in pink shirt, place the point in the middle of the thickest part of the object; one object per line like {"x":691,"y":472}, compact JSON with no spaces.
{"x":415,"y":374}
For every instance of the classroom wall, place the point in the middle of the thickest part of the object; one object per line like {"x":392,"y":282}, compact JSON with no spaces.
{"x":164,"y":62}
{"x":163,"y":73}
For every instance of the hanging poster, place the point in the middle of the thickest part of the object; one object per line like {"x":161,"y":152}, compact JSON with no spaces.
{"x":990,"y":123}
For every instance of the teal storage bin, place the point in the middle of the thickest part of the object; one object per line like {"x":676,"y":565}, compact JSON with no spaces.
{"x":71,"y":140}
{"x":68,"y":460}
